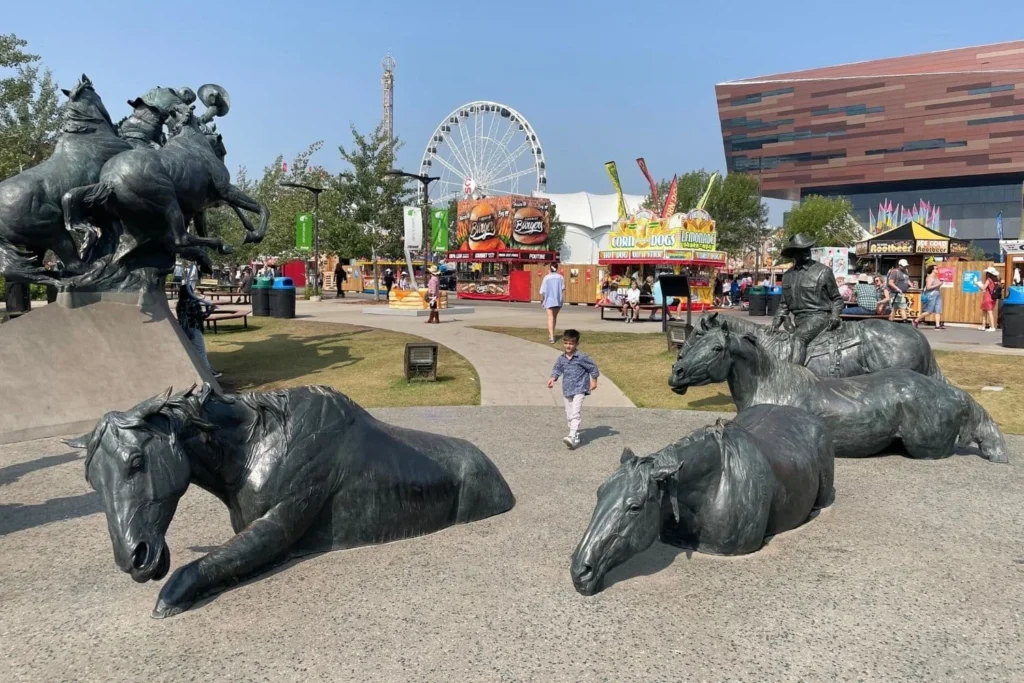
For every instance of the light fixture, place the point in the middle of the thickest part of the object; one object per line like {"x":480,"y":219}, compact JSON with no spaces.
{"x":421,"y":361}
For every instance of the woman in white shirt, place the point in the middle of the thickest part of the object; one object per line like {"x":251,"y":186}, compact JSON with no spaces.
{"x":632,"y":305}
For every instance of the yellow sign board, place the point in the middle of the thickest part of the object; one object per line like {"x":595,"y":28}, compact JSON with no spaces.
{"x":645,"y":230}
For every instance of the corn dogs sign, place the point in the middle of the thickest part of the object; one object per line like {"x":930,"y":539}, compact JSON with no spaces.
{"x":645,"y":230}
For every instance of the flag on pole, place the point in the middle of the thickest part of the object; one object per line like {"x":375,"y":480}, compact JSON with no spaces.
{"x":654,"y":186}
{"x":613,"y":173}
{"x":439,"y":231}
{"x":671,"y":199}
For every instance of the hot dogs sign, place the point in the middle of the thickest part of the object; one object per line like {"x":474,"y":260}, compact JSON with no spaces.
{"x":645,"y":230}
{"x":509,"y":222}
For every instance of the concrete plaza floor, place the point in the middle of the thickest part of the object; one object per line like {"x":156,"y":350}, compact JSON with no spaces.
{"x":916,"y":573}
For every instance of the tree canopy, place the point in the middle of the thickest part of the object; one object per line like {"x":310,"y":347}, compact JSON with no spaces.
{"x":30,"y":108}
{"x":827,"y":220}
{"x":734,"y":203}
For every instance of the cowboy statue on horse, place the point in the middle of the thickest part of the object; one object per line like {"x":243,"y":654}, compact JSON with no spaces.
{"x":810,"y":294}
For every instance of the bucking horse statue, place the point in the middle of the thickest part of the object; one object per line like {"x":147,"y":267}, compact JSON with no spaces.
{"x":854,"y":348}
{"x":154,"y":194}
{"x":31,"y":218}
{"x":129,"y":190}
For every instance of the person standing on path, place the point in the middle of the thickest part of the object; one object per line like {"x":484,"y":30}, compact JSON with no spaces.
{"x":931,"y":299}
{"x":434,"y":296}
{"x":389,"y":281}
{"x":898,"y":282}
{"x":552,"y":296}
{"x":989,"y":296}
{"x":340,"y":278}
{"x":579,"y":377}
{"x":189,"y":311}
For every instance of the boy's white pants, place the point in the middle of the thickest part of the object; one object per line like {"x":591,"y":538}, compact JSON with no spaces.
{"x":573,"y":412}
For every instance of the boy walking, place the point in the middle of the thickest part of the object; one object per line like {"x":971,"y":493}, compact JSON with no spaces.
{"x":579,"y":377}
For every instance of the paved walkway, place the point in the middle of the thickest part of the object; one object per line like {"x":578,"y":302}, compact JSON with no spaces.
{"x":512,"y":371}
{"x":588,"y":318}
{"x":915,"y":573}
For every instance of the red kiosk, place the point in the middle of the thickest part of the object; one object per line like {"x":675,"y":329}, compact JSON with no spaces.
{"x":497,"y":237}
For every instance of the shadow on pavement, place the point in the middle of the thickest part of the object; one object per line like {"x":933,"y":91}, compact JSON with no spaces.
{"x":589,"y":434}
{"x":12,"y":473}
{"x":653,"y":560}
{"x":18,"y":517}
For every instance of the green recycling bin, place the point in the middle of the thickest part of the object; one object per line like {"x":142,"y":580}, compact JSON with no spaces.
{"x":261,"y":296}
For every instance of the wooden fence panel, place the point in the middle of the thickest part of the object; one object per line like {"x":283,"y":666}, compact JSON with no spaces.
{"x":959,"y":306}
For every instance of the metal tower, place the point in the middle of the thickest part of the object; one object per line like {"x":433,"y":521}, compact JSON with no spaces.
{"x":387,"y":84}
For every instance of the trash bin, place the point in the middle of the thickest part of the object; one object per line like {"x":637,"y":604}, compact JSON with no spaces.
{"x":1013,"y":318}
{"x":282,"y":298}
{"x":773,"y":302}
{"x":758,"y":299}
{"x":261,"y":296}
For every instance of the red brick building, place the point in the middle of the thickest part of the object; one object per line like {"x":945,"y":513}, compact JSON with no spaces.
{"x":944,"y":128}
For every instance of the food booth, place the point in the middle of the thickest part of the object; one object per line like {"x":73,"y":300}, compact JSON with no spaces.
{"x":644,"y":245}
{"x":498,"y":237}
{"x":921,"y":247}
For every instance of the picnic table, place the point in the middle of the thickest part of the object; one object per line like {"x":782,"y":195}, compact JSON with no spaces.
{"x":222,"y":314}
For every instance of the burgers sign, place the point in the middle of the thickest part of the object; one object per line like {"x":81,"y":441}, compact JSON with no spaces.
{"x":509,"y":222}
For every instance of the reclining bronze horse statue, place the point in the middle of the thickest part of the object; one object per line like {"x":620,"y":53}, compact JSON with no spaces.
{"x":301,"y":471}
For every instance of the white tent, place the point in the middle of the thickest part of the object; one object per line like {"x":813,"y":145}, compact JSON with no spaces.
{"x":587,"y":218}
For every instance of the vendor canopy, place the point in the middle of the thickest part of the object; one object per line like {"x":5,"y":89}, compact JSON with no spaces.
{"x":911,"y":238}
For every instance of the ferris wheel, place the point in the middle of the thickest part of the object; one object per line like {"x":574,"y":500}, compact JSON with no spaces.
{"x":483,"y":148}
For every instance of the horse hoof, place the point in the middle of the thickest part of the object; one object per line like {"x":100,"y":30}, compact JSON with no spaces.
{"x":163,"y":610}
{"x":999,"y":458}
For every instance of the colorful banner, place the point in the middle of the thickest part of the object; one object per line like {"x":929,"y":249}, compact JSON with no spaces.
{"x":641,"y":231}
{"x":500,"y":223}
{"x":439,"y":230}
{"x":672,"y":199}
{"x":972,"y":282}
{"x":304,"y":231}
{"x":613,"y":173}
{"x":650,"y":181}
{"x":413,"y":224}
{"x":696,"y":230}
{"x":836,"y":258}
{"x":946,"y":275}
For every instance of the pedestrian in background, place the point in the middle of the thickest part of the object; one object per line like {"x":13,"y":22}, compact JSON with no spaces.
{"x":931,"y":299}
{"x":993,"y":292}
{"x":434,"y":296}
{"x":552,"y":296}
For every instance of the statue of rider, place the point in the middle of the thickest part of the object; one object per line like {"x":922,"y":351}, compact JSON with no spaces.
{"x":810,"y":294}
{"x":144,"y":127}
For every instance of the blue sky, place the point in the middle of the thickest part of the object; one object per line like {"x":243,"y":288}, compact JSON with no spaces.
{"x":598,"y":80}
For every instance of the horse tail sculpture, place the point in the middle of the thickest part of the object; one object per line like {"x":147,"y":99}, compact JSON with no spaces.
{"x":15,"y":263}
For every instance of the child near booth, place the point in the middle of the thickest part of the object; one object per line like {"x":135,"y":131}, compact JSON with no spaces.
{"x":579,"y":377}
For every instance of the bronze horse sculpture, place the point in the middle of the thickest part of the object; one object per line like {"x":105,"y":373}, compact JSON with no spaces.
{"x":302,"y":471}
{"x":866,"y":413}
{"x":723,"y":490}
{"x":854,"y":348}
{"x":31,"y":217}
{"x":155,"y":193}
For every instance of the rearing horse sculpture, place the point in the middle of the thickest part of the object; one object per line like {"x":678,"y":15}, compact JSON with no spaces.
{"x":30,"y":202}
{"x":155,"y":193}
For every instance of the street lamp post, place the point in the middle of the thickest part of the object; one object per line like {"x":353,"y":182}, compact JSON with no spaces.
{"x":316,"y":227}
{"x":425,"y":181}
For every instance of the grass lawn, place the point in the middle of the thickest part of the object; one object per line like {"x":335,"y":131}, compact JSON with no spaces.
{"x":640,"y":365}
{"x":364,"y":363}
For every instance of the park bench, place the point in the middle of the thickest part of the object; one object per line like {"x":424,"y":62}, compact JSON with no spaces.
{"x":221,"y":315}
{"x":618,"y":308}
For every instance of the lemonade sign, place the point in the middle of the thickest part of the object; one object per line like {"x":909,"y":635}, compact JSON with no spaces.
{"x":696,"y":230}
{"x":642,"y":230}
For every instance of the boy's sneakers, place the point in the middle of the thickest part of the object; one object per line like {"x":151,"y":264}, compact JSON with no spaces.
{"x":571,"y":442}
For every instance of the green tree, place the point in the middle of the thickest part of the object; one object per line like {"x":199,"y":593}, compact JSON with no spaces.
{"x":826,"y":220}
{"x":556,"y":237}
{"x":734,"y":203}
{"x":30,"y":108}
{"x":364,"y":194}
